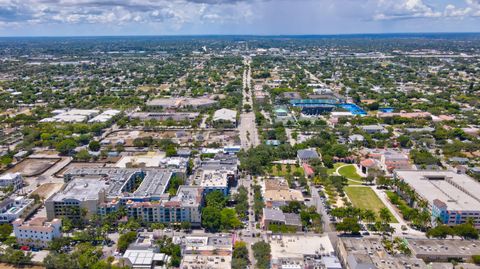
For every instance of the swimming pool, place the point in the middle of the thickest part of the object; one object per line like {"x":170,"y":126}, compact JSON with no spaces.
{"x":353,"y":108}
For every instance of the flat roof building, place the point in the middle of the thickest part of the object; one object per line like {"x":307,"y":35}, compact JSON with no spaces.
{"x":453,"y":198}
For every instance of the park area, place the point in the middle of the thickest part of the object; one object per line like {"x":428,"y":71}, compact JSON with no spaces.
{"x":366,"y":198}
{"x":285,"y":169}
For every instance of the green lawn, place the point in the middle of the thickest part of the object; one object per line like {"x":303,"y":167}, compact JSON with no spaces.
{"x":366,"y":198}
{"x":283,"y":172}
{"x":350,"y":172}
{"x":330,"y":171}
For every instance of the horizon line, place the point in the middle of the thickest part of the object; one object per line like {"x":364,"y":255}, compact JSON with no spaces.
{"x":240,"y":35}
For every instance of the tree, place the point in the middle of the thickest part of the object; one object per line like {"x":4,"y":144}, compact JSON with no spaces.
{"x":261,"y":252}
{"x":66,"y":146}
{"x":229,"y":219}
{"x":369,"y":215}
{"x":211,"y":219}
{"x":125,"y":240}
{"x":216,"y":199}
{"x":240,"y":256}
{"x":441,"y":231}
{"x":5,"y":231}
{"x":83,"y":155}
{"x":349,"y":225}
{"x":186,"y":226}
{"x":466,"y":231}
{"x":94,"y":145}
{"x":385,"y":215}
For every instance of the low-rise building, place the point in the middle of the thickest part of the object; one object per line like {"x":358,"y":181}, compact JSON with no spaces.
{"x":307,"y":155}
{"x":273,"y":216}
{"x":11,"y":180}
{"x":37,"y":232}
{"x":374,"y":129}
{"x":442,"y":250}
{"x":12,"y":209}
{"x":225,"y":117}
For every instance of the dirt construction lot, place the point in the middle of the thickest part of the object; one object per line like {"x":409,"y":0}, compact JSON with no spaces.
{"x":32,"y":166}
{"x":47,"y":189}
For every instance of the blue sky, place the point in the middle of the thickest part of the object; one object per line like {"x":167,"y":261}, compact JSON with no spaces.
{"x":264,"y":17}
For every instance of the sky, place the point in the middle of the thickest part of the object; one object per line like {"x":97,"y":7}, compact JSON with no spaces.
{"x":235,"y":17}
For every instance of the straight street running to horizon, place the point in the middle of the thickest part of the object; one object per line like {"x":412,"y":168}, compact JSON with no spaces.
{"x":239,"y":134}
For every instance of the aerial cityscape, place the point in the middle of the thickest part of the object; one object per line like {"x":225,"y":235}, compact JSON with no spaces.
{"x":151,"y":143}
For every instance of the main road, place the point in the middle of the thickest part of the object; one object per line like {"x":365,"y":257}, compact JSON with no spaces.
{"x":248,"y":127}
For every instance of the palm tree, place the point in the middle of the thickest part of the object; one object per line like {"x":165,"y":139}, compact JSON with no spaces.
{"x":385,"y":215}
{"x":369,"y":215}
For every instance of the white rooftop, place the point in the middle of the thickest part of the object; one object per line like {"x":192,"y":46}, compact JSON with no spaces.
{"x":457,"y":191}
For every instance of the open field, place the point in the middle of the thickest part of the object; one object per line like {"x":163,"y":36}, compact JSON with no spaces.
{"x":365,"y":198}
{"x":331,"y":171}
{"x":283,"y":171}
{"x":350,"y":172}
{"x":181,"y":137}
{"x":47,"y":189}
{"x":33,"y":166}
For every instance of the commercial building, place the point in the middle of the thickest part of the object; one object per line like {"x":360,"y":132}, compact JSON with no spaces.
{"x":374,"y":129}
{"x":442,"y":250}
{"x":369,"y":253}
{"x":452,"y":198}
{"x":301,"y":251}
{"x":143,"y":192}
{"x":225,"y":117}
{"x":11,"y":180}
{"x":105,"y":116}
{"x":277,"y":193}
{"x":71,"y":116}
{"x":37,"y":232}
{"x":144,"y":254}
{"x":217,"y":174}
{"x":205,"y":251}
{"x":277,"y":217}
{"x":12,"y":209}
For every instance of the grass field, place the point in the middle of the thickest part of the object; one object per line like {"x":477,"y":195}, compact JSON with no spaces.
{"x":335,"y":167}
{"x":350,"y":172}
{"x":283,"y":172}
{"x":366,"y":198}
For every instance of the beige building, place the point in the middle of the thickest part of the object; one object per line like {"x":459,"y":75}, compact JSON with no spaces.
{"x":37,"y":232}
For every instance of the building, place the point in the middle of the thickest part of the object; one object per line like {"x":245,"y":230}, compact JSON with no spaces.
{"x":277,"y":217}
{"x":369,"y":253}
{"x":12,"y":209}
{"x":225,"y":117}
{"x":390,"y":160}
{"x":73,"y":115}
{"x":143,"y":192}
{"x":452,"y":198}
{"x":307,"y":155}
{"x":301,"y":251}
{"x":11,"y":180}
{"x":216,"y":176}
{"x":144,"y":254}
{"x":206,"y":251}
{"x":277,"y":193}
{"x":373,"y":129}
{"x":367,"y":164}
{"x":37,"y":232}
{"x":105,"y":116}
{"x":442,"y":250}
